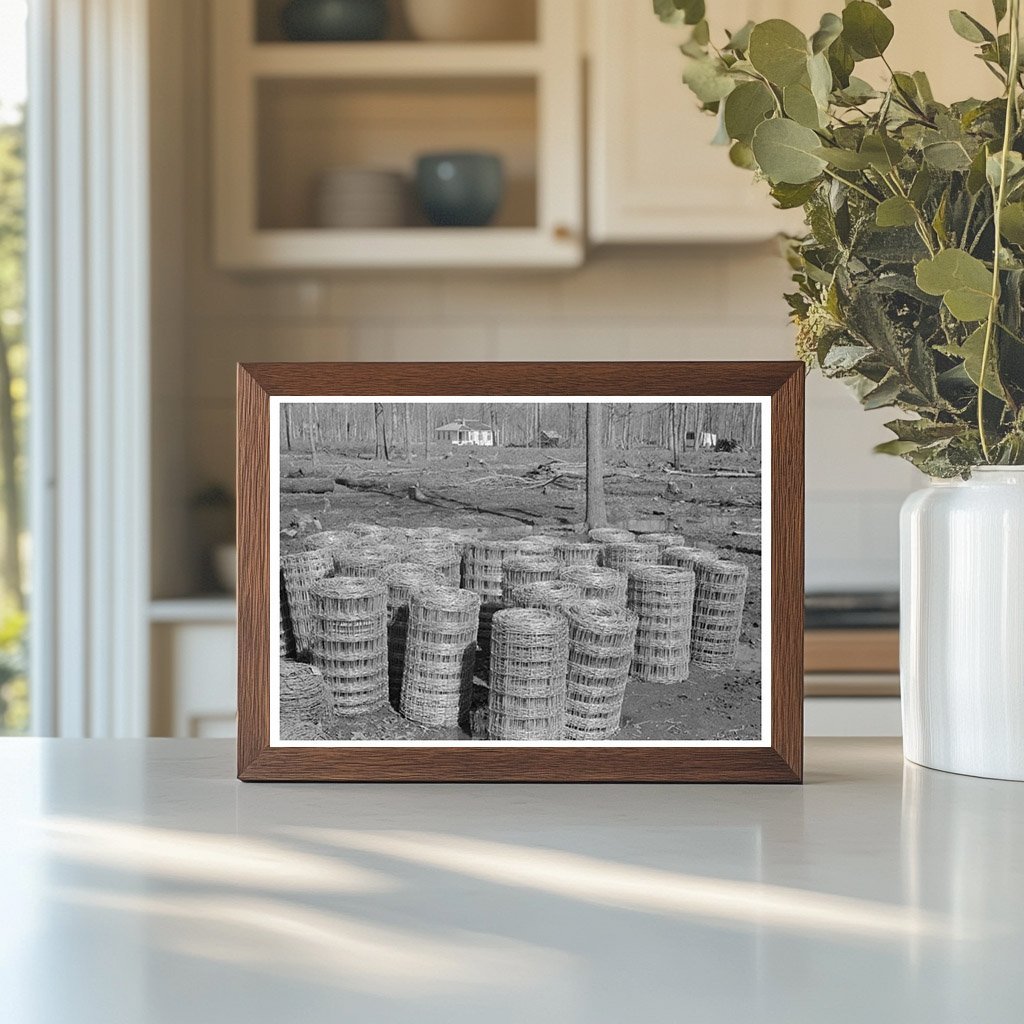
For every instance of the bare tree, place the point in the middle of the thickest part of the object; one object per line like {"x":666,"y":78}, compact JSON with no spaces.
{"x":311,"y":418}
{"x":597,"y":512}
{"x":408,"y":433}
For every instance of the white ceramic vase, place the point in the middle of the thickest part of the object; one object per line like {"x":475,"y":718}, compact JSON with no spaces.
{"x":962,"y":624}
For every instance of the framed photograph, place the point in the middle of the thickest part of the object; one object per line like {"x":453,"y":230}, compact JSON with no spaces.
{"x":520,"y":572}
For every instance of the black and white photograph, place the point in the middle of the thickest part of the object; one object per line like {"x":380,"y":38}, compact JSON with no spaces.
{"x":530,"y":572}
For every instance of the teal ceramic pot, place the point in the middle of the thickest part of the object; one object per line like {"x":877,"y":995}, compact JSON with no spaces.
{"x":460,"y":190}
{"x":334,"y":21}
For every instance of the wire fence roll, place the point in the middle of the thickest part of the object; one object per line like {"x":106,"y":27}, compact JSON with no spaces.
{"x":350,"y":642}
{"x":529,"y":662}
{"x":537,"y":544}
{"x":402,"y":580}
{"x":329,"y":540}
{"x":301,"y":571}
{"x":481,"y":572}
{"x":577,"y":553}
{"x":686,"y":557}
{"x":552,"y":595}
{"x":440,"y":655}
{"x":287,"y":649}
{"x":374,"y":530}
{"x":664,"y":540}
{"x":366,"y":562}
{"x":597,"y":583}
{"x":601,"y":642}
{"x":662,"y":597}
{"x":718,"y":613}
{"x":306,"y":706}
{"x":610,"y":535}
{"x":623,"y":556}
{"x":440,"y":554}
{"x":521,"y":571}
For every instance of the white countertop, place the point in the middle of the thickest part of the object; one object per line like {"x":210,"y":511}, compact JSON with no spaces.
{"x":143,"y":885}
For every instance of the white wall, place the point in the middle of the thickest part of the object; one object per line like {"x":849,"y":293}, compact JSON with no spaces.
{"x":701,"y":303}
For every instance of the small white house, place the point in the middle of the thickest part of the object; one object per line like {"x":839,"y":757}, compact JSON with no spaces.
{"x":468,"y":432}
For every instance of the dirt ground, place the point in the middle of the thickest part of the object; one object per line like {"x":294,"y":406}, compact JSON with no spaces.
{"x":523,"y":490}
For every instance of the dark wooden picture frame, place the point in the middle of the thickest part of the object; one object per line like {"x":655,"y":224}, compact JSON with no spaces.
{"x":781,"y":760}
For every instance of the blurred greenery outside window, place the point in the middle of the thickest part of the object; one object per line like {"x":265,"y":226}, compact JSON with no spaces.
{"x":14,"y":691}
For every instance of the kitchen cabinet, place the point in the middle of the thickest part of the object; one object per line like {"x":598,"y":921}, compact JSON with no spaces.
{"x":653,"y":175}
{"x":286,"y":113}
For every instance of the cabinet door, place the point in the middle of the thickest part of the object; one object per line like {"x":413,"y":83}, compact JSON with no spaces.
{"x":654,"y":175}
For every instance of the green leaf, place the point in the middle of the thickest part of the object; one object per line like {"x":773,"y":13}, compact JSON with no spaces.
{"x":976,"y":174}
{"x":739,"y":41}
{"x":745,"y":108}
{"x":741,"y":155}
{"x":999,"y":7}
{"x":866,"y":29}
{"x":830,"y":29}
{"x":969,"y":28}
{"x":896,"y":212}
{"x":922,"y":185}
{"x":820,"y":76}
{"x":1013,"y":223}
{"x":1014,"y":169}
{"x":708,"y":80}
{"x":923,"y":431}
{"x":841,"y":60}
{"x":789,"y":197}
{"x":887,"y":393}
{"x":882,"y":153}
{"x":963,"y":281}
{"x":896,"y":447}
{"x":972,"y":352}
{"x":785,"y":152}
{"x":947,"y":156}
{"x":924,"y":87}
{"x":779,"y":51}
{"x":844,"y":159}
{"x":800,"y":105}
{"x":676,"y":12}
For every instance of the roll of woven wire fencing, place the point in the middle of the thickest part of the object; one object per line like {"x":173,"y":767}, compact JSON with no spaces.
{"x":718,"y":613}
{"x":624,"y":556}
{"x":440,"y":655}
{"x":537,"y":545}
{"x":306,"y":704}
{"x":481,"y":573}
{"x":440,"y":554}
{"x":329,"y":540}
{"x":610,"y":535}
{"x":301,"y":571}
{"x":596,"y":583}
{"x":350,"y":642}
{"x":552,"y":595}
{"x":664,"y":540}
{"x":520,"y":571}
{"x":402,"y":581}
{"x":529,"y":661}
{"x":686,"y":557}
{"x":662,"y":597}
{"x":601,"y":642}
{"x":366,"y":562}
{"x":577,"y":553}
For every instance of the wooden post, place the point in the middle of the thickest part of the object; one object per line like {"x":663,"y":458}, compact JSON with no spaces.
{"x":597,"y":512}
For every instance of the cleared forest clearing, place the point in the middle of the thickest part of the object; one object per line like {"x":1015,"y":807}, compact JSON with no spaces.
{"x":713,"y":500}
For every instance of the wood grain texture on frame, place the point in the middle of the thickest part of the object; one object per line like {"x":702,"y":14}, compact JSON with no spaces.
{"x":782,"y":761}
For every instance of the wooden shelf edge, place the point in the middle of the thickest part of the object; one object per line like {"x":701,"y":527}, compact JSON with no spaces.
{"x":393,"y":60}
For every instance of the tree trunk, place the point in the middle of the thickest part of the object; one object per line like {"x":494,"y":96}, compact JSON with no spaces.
{"x":408,"y":432}
{"x":674,"y":427}
{"x":11,"y":491}
{"x":288,"y":426}
{"x":597,"y":512}
{"x":311,"y":416}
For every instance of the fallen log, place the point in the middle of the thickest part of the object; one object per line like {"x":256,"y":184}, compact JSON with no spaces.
{"x":307,"y":485}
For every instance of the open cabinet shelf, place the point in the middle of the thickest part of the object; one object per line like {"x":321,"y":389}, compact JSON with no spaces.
{"x":286,"y":114}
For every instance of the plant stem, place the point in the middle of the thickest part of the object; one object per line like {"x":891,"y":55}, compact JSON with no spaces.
{"x":856,"y":188}
{"x":1000,"y":199}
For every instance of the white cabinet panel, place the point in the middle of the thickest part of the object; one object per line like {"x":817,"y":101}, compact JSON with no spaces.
{"x":653,"y":175}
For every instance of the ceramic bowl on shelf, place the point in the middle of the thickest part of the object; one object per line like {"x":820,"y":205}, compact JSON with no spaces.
{"x":471,"y":20}
{"x":460,"y":189}
{"x":334,"y":21}
{"x":361,"y":198}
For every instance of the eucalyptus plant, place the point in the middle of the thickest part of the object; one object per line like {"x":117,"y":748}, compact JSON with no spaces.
{"x":910,"y":278}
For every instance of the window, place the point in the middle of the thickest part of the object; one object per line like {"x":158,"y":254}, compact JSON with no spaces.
{"x":14,"y":705}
